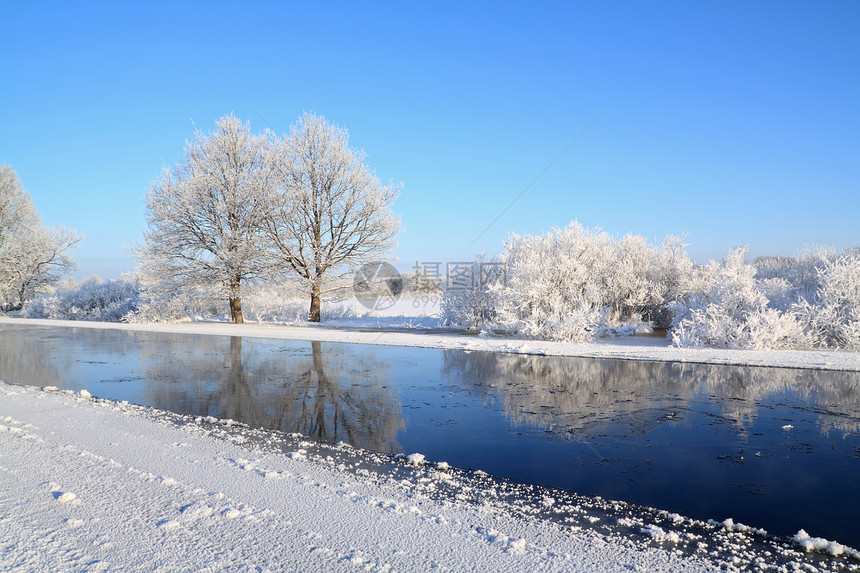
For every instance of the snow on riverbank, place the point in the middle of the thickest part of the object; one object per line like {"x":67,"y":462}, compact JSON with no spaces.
{"x":95,"y":485}
{"x":90,"y":484}
{"x":632,"y":348}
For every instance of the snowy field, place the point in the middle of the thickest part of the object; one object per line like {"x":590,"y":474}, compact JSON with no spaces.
{"x":89,"y":485}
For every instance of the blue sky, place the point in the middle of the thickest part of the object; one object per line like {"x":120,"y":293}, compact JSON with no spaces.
{"x":730,"y":122}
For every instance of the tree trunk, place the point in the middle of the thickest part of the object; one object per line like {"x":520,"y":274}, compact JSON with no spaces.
{"x":235,"y":304}
{"x":236,"y":310}
{"x":22,"y":298}
{"x":314,"y":314}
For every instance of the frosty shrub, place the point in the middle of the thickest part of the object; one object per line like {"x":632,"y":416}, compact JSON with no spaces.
{"x":729,"y":309}
{"x":832,"y":315}
{"x":553,"y":286}
{"x":472,"y":305}
{"x":270,"y":303}
{"x":574,"y":284}
{"x":166,"y":302}
{"x":788,"y":280}
{"x":644,"y":279}
{"x":93,"y":299}
{"x":161,"y":303}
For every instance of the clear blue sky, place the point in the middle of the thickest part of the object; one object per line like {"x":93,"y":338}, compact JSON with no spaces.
{"x":730,"y":122}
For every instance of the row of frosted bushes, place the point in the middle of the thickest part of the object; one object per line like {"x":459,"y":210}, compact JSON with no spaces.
{"x":576,"y":284}
{"x":126,"y":301}
{"x":93,"y":299}
{"x":572,"y":284}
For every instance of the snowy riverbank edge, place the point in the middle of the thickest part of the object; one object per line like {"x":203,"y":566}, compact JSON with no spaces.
{"x":626,"y":348}
{"x":90,"y":484}
{"x":93,"y":485}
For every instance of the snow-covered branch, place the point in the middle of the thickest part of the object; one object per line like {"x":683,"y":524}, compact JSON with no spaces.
{"x":328,"y":213}
{"x":32,"y":256}
{"x":205,"y":217}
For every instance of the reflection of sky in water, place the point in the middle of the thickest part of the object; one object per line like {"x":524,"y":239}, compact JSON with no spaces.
{"x":706,"y":441}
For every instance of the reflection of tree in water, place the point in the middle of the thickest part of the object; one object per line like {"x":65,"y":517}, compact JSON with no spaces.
{"x":585,"y":394}
{"x":327,"y":393}
{"x":25,"y":358}
{"x":835,"y":396}
{"x":48,"y":356}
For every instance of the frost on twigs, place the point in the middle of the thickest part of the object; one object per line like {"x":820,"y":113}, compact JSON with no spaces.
{"x":729,"y":309}
{"x":33,"y":257}
{"x":811,"y":300}
{"x":326,"y":212}
{"x":204,"y":219}
{"x":832,"y":317}
{"x":575,"y":284}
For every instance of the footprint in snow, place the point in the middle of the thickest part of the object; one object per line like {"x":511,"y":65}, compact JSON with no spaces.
{"x":67,"y":497}
{"x":169,"y":525}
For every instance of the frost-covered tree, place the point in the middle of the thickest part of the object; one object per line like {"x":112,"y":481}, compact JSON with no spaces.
{"x":576,"y":283}
{"x":205,"y":217}
{"x":32,"y":256}
{"x":788,"y":280}
{"x":329,"y":212}
{"x":473,"y":305}
{"x":832,"y":315}
{"x":554,"y":281}
{"x":729,"y":309}
{"x":643,"y":279}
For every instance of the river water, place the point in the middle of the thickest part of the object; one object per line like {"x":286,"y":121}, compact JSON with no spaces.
{"x":772,"y":448}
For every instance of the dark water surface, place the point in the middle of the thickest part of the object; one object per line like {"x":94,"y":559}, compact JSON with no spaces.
{"x":770,"y":447}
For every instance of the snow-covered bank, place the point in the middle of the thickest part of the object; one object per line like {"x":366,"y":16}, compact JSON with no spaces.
{"x":89,"y":484}
{"x":95,"y":485}
{"x":633,"y":348}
